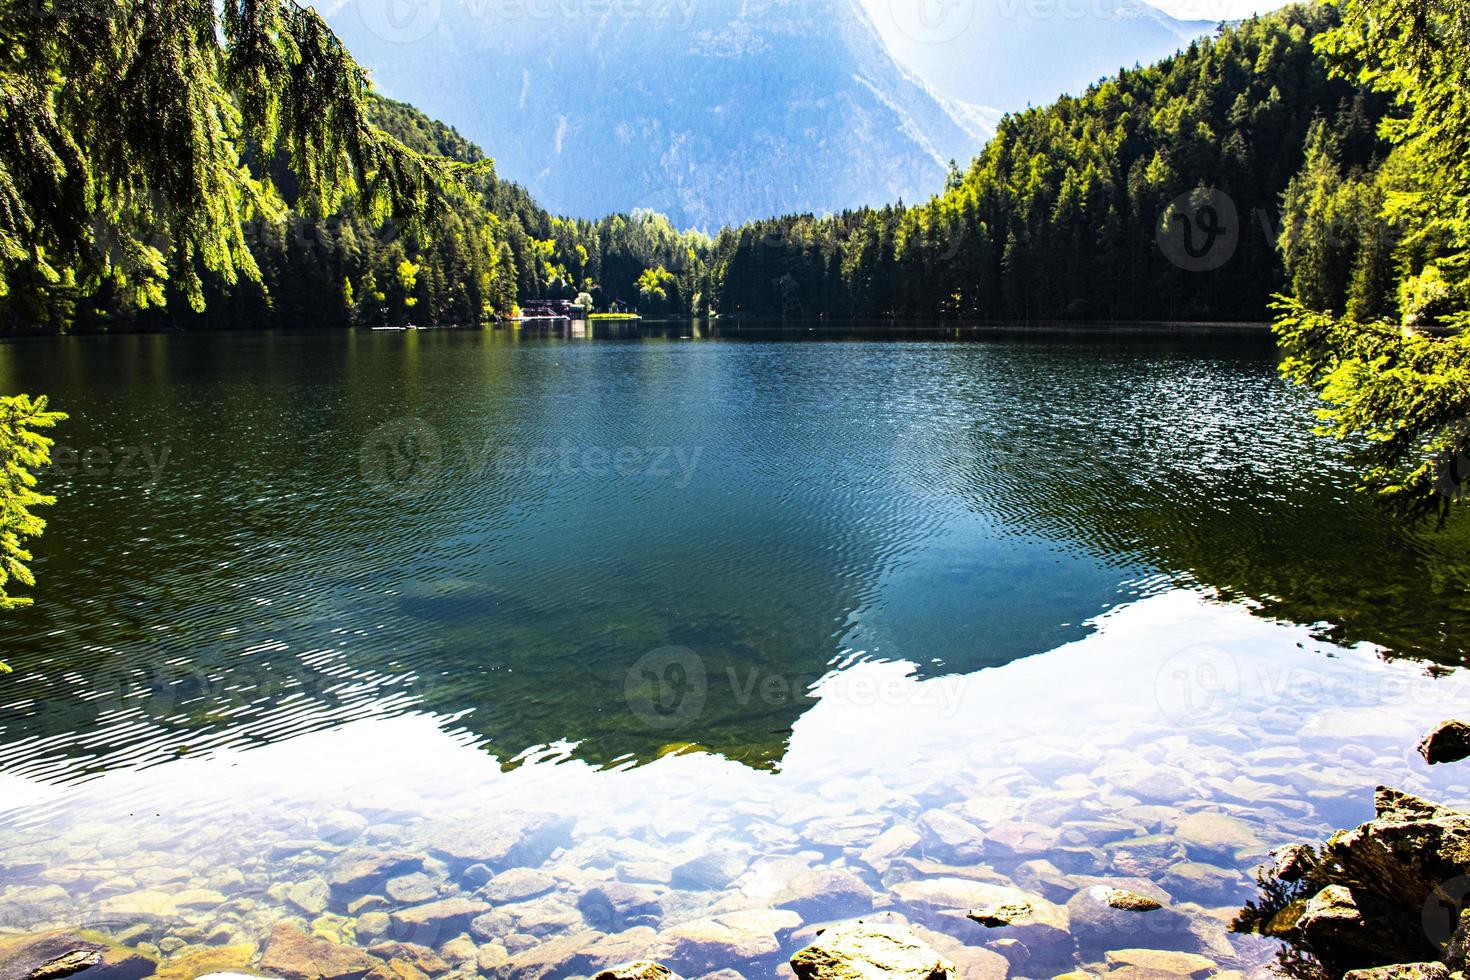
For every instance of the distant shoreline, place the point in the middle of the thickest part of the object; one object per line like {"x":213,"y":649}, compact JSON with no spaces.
{"x":918,"y":326}
{"x":752,"y":323}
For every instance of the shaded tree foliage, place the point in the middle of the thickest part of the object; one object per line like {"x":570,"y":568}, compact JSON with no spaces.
{"x":1376,"y":314}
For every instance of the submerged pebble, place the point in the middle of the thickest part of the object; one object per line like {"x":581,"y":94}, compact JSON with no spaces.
{"x":1072,"y":850}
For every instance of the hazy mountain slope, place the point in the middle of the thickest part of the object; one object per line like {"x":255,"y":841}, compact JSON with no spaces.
{"x":714,"y":112}
{"x":1007,"y":54}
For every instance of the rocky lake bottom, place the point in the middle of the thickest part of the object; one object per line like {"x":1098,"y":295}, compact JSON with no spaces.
{"x":1165,"y":754}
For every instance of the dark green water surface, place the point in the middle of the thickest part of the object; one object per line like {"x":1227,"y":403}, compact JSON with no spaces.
{"x":551,"y":539}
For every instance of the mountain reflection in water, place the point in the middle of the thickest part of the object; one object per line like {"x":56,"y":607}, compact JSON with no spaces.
{"x":615,"y":548}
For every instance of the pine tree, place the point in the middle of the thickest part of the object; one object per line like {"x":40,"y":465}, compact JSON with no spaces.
{"x":23,"y":452}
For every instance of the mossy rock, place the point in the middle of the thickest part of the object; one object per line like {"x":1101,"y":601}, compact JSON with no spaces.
{"x":1282,"y":924}
{"x":203,"y":960}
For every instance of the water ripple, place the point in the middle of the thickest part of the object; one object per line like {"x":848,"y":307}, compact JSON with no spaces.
{"x":501,"y":532}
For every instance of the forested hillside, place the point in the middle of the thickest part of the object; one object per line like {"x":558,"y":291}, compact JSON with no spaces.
{"x":1060,"y":215}
{"x":494,"y":249}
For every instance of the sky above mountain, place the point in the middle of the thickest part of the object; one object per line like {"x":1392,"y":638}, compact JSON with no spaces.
{"x":1008,"y":54}
{"x":1215,"y":9}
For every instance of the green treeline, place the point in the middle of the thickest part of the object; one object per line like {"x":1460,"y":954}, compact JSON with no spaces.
{"x":122,"y":181}
{"x":491,"y":250}
{"x":495,"y":250}
{"x":1058,"y":218}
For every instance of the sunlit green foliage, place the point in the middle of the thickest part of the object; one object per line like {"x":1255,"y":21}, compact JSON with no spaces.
{"x":1402,"y":396}
{"x":23,"y":452}
{"x":1418,"y":52}
{"x":653,"y":286}
{"x":123,"y":130}
{"x":1376,"y":319}
{"x":1334,"y":244}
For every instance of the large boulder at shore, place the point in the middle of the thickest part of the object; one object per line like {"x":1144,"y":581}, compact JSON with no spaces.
{"x":1371,"y":898}
{"x":871,"y":951}
{"x":1392,"y":867}
{"x":1449,"y":741}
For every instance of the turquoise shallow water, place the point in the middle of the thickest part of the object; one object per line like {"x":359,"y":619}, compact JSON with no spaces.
{"x":664,"y":593}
